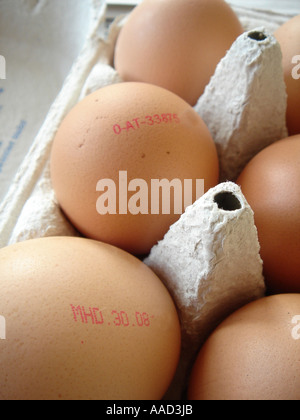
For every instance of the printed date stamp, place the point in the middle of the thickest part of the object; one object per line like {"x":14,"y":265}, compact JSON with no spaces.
{"x":148,"y":120}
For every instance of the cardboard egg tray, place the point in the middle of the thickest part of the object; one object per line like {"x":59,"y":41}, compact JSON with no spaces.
{"x":46,"y":75}
{"x":64,"y":51}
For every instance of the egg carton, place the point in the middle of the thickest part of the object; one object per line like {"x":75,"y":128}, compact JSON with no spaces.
{"x":29,"y":208}
{"x":215,"y":242}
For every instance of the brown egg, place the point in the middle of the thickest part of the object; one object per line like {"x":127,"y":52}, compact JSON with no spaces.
{"x":271,"y":185}
{"x":288,"y":36}
{"x":84,"y":321}
{"x":127,"y":159}
{"x":252,"y":355}
{"x":176,"y":44}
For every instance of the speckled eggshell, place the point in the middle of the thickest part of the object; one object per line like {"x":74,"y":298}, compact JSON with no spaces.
{"x":141,"y":130}
{"x":176,"y":44}
{"x":252,"y":355}
{"x":271,"y":185}
{"x":288,"y":36}
{"x":84,"y":321}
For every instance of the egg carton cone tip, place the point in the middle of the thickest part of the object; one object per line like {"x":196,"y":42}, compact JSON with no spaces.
{"x":245,"y":103}
{"x":210,"y":262}
{"x":210,"y":259}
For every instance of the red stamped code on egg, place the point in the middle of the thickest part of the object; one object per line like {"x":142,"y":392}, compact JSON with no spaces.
{"x":148,"y":120}
{"x":113,"y":318}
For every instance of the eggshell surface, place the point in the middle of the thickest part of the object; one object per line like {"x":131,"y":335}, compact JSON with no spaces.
{"x":288,"y":36}
{"x":253,"y":354}
{"x":109,"y":150}
{"x":176,"y":44}
{"x":271,"y":185}
{"x":84,"y":320}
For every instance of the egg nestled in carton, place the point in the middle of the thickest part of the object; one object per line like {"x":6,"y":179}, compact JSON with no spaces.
{"x":210,"y":258}
{"x":113,"y":160}
{"x":89,"y":323}
{"x":270,"y":182}
{"x":176,"y":44}
{"x":252,"y":355}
